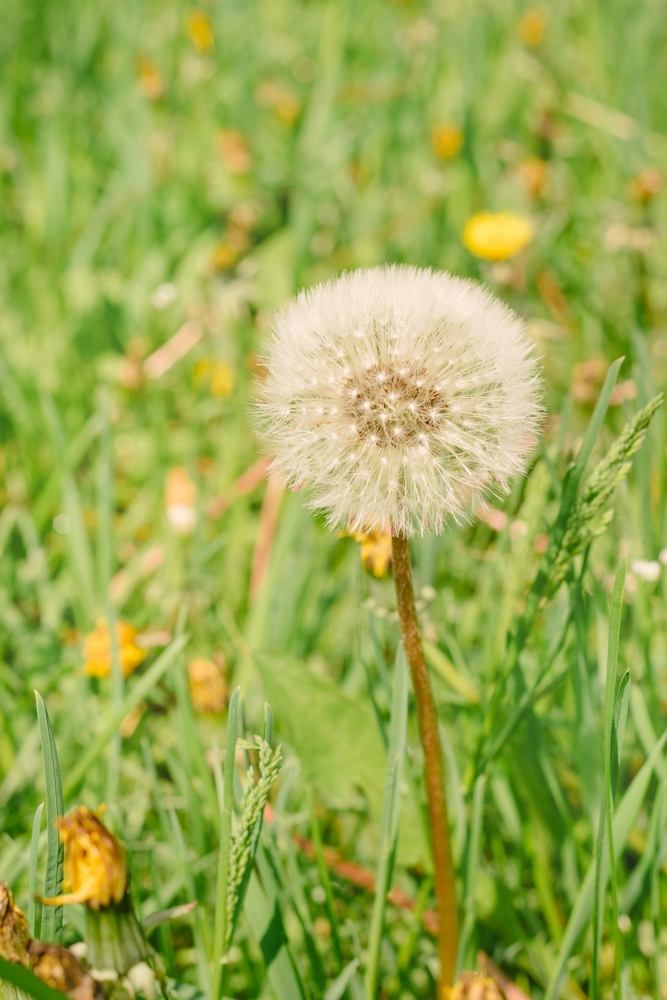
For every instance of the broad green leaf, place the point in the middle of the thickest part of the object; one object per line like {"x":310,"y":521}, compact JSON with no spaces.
{"x":337,"y":742}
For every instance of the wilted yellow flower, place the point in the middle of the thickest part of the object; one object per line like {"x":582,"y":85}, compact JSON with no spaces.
{"x":473,"y":986}
{"x":97,"y":649}
{"x":208,"y":690}
{"x":647,"y":184}
{"x":61,"y":969}
{"x":534,"y":172}
{"x":180,"y":498}
{"x":14,"y":930}
{"x":234,"y":151}
{"x":447,"y":141}
{"x":218,"y":374}
{"x":150,"y":79}
{"x":532,"y":26}
{"x":497,"y":235}
{"x":375,"y":551}
{"x":95,"y":869}
{"x":200,"y":31}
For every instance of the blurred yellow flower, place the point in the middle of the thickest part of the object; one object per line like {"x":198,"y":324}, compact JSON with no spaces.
{"x":375,"y":551}
{"x":447,"y":141}
{"x":95,"y":869}
{"x":497,"y":235}
{"x":277,"y":95}
{"x":208,"y":690}
{"x":534,"y":173}
{"x":218,"y":374}
{"x":234,"y":151}
{"x":473,"y":986}
{"x":150,"y":79}
{"x":180,"y":496}
{"x":14,"y":930}
{"x":647,"y":184}
{"x":532,"y":26}
{"x":97,"y":649}
{"x":200,"y":31}
{"x":223,"y":257}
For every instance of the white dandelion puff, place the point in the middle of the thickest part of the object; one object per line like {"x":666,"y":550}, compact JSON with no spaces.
{"x":397,"y":396}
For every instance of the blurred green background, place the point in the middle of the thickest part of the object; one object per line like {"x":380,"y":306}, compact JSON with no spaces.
{"x":166,"y":168}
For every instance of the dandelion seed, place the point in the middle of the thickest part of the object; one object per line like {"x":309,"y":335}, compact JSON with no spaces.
{"x":438,"y":393}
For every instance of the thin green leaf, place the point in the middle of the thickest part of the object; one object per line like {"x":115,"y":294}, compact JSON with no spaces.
{"x":52,"y":917}
{"x":24,"y":980}
{"x":341,"y":982}
{"x":472,"y":867}
{"x":391,"y":808}
{"x":220,"y":933}
{"x":618,"y":731}
{"x":32,"y":875}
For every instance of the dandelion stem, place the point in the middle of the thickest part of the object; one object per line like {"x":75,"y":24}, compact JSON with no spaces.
{"x":434,"y":772}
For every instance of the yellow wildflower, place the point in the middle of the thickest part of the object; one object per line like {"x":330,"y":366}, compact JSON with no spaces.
{"x":473,"y":986}
{"x":150,"y":79}
{"x":647,"y":184}
{"x":234,"y":151}
{"x":95,"y":869}
{"x":223,"y":257}
{"x":534,"y":173}
{"x":200,"y":31}
{"x":375,"y":551}
{"x":208,"y":691}
{"x":447,"y":141}
{"x":532,"y":27}
{"x":97,"y":649}
{"x":218,"y":374}
{"x":180,"y":498}
{"x":14,"y":930}
{"x":497,"y":235}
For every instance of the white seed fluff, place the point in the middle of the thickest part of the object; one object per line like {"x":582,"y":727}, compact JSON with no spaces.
{"x":398,"y":395}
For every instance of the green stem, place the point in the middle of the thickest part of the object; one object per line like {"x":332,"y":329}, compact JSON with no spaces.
{"x":434,"y":772}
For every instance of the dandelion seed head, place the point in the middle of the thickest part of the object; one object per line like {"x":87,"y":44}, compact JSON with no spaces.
{"x":397,"y":395}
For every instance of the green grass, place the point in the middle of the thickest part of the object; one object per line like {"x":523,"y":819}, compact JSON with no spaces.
{"x":105,"y":196}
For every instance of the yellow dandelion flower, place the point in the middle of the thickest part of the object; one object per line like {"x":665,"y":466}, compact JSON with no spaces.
{"x":223,"y":257}
{"x":180,"y":498}
{"x":97,"y":649}
{"x":208,"y":690}
{"x":473,"y":986}
{"x":95,"y":869}
{"x":447,"y":141}
{"x":150,"y":79}
{"x":534,"y":173}
{"x":375,"y":551}
{"x":14,"y":930}
{"x":497,"y":235}
{"x":219,"y":375}
{"x":532,"y":27}
{"x":200,"y":31}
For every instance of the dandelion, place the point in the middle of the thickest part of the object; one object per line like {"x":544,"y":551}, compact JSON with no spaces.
{"x":497,"y":236}
{"x":398,"y":396}
{"x":200,"y":31}
{"x":208,"y":691}
{"x":532,"y":27}
{"x":218,"y":375}
{"x":180,"y":495}
{"x":473,"y":986}
{"x":375,"y":551}
{"x":96,"y":875}
{"x":97,"y":649}
{"x":447,"y":141}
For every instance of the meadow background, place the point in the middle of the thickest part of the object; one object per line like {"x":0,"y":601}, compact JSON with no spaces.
{"x":165,"y":168}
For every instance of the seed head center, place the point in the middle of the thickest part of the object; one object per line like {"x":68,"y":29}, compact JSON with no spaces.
{"x":391,"y":406}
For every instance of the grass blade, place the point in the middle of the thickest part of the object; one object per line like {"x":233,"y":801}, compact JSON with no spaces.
{"x":624,"y":819}
{"x":390,"y":815}
{"x":605,"y":845}
{"x":136,"y":694}
{"x":32,"y":884}
{"x":225,"y":844}
{"x":474,"y":848}
{"x":52,"y":916}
